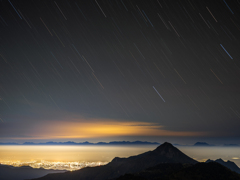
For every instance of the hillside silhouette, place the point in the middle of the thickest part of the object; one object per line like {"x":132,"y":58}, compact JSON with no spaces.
{"x":165,"y":153}
{"x":23,"y":172}
{"x":229,"y":164}
{"x":170,"y":171}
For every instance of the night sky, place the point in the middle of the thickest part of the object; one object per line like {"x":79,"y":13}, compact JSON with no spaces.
{"x":102,"y":70}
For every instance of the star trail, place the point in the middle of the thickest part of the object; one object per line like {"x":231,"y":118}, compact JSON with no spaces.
{"x":147,"y":68}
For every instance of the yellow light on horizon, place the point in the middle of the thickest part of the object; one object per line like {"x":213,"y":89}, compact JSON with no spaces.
{"x":100,"y":128}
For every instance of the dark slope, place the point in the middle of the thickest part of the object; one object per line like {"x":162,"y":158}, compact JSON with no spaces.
{"x":229,"y":164}
{"x":165,"y":153}
{"x":199,"y":171}
{"x":24,"y":172}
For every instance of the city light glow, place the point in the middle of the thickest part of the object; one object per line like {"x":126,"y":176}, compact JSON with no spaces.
{"x":59,"y":165}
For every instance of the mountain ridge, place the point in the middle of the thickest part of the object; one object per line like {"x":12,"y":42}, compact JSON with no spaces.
{"x":229,"y":164}
{"x":8,"y":172}
{"x":199,"y":171}
{"x":165,"y":153}
{"x":86,"y":143}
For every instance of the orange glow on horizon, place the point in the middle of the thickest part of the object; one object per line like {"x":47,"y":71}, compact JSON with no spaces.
{"x":99,"y":128}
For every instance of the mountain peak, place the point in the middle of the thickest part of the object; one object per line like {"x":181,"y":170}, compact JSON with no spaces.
{"x":165,"y":153}
{"x":169,"y":151}
{"x":201,"y":144}
{"x":219,"y":160}
{"x":229,"y":164}
{"x":166,"y":148}
{"x":209,"y":160}
{"x":167,"y":144}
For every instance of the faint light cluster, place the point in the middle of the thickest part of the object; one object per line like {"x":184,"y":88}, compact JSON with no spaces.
{"x":69,"y":166}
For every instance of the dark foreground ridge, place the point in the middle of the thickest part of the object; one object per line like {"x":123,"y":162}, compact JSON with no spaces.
{"x":170,"y":171}
{"x":23,"y":172}
{"x":165,"y":153}
{"x":229,"y":164}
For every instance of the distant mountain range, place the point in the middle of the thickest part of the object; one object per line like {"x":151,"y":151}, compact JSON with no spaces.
{"x":111,"y":143}
{"x":23,"y":172}
{"x":231,"y":145}
{"x":87,"y":143}
{"x":206,"y":144}
{"x":202,"y":144}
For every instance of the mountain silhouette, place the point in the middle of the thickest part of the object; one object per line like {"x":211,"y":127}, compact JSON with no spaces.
{"x":229,"y":164}
{"x":176,"y":171}
{"x":231,"y":145}
{"x":24,"y":172}
{"x":201,"y":144}
{"x":86,"y":143}
{"x":165,"y":153}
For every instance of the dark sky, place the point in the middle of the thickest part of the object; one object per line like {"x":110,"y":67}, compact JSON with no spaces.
{"x":119,"y":70}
